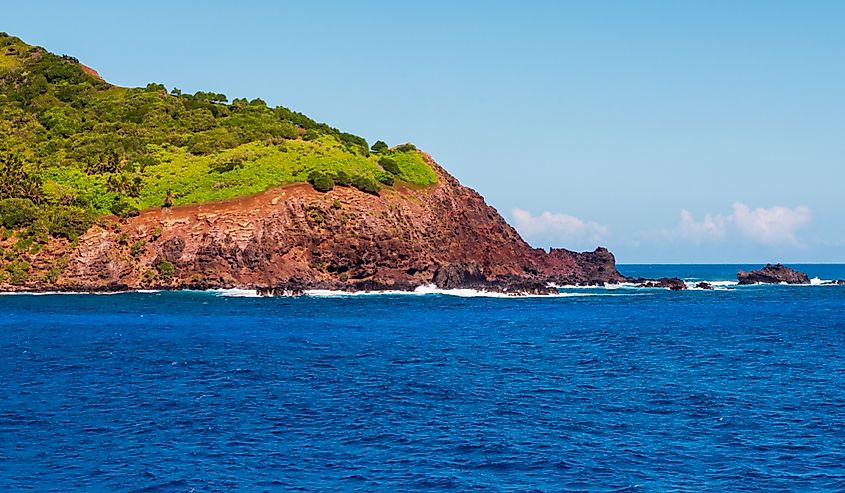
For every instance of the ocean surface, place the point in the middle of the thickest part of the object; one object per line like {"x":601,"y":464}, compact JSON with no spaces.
{"x":626,"y":389}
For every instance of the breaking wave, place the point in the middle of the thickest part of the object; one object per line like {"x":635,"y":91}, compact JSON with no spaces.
{"x":430,"y":289}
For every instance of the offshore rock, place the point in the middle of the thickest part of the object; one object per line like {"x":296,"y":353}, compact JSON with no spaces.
{"x":773,"y":274}
{"x":671,"y":283}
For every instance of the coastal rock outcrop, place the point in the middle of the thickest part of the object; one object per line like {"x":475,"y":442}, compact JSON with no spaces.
{"x":294,"y":238}
{"x":671,"y":283}
{"x":773,"y":274}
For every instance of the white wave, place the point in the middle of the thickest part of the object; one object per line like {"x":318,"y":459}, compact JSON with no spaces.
{"x":721,"y":285}
{"x":621,"y":285}
{"x":469,"y":293}
{"x":425,"y":290}
{"x":815,"y":281}
{"x":692,"y":285}
{"x":328,"y":293}
{"x":821,"y":282}
{"x":234,"y":293}
{"x":432,"y":290}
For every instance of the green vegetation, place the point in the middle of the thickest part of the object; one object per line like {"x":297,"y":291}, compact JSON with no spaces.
{"x":18,"y":272}
{"x":389,"y":165}
{"x":165,"y":269}
{"x":15,"y":213}
{"x":137,"y":248}
{"x":379,"y":147}
{"x":364,"y":184}
{"x":67,"y":221}
{"x":322,"y":182}
{"x":74,"y":147}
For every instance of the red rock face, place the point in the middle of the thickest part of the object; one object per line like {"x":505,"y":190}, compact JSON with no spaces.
{"x":295,"y":238}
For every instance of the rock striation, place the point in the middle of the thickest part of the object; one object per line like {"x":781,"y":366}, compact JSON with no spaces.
{"x":291,"y":239}
{"x":773,"y":274}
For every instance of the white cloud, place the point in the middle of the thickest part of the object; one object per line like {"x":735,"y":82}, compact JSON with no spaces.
{"x":712,"y":228}
{"x":776,"y":225}
{"x":772,"y":226}
{"x":557,"y":227}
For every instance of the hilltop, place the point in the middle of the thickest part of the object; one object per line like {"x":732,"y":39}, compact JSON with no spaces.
{"x":107,"y":187}
{"x":70,"y":138}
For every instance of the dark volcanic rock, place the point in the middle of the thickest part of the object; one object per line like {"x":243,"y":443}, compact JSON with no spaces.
{"x":773,"y":274}
{"x":458,"y":275}
{"x":704,"y":285}
{"x":672,"y":283}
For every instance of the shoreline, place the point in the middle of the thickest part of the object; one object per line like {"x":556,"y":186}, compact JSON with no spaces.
{"x":556,"y":291}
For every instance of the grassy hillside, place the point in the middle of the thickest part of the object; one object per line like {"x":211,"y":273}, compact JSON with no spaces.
{"x":73,"y":145}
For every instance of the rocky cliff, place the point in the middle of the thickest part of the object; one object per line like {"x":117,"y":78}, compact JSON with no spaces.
{"x":293,"y":238}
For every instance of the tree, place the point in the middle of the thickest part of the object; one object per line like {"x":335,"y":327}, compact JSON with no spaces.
{"x":379,"y":147}
{"x":16,"y":181}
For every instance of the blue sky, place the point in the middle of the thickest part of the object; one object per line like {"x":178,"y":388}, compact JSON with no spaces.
{"x":667,"y":131}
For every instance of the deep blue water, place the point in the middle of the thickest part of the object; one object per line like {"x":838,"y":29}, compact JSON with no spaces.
{"x":741,"y":389}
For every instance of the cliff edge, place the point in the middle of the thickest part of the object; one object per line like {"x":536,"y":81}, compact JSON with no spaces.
{"x":293,"y":238}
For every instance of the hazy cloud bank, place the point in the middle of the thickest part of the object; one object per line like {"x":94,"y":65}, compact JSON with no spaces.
{"x":776,"y":225}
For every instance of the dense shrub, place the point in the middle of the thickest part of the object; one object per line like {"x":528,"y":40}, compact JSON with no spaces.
{"x":228,"y":164}
{"x":389,"y":164}
{"x":165,"y":269}
{"x":137,"y":248}
{"x":342,"y":179}
{"x":365,"y":184}
{"x":385,"y":178}
{"x":379,"y":147}
{"x":68,"y":221}
{"x":18,"y":272}
{"x":124,"y":207}
{"x":323,"y":183}
{"x":407,"y":147}
{"x":16,"y":213}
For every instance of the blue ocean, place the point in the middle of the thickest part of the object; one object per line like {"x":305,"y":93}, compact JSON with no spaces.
{"x":741,"y":388}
